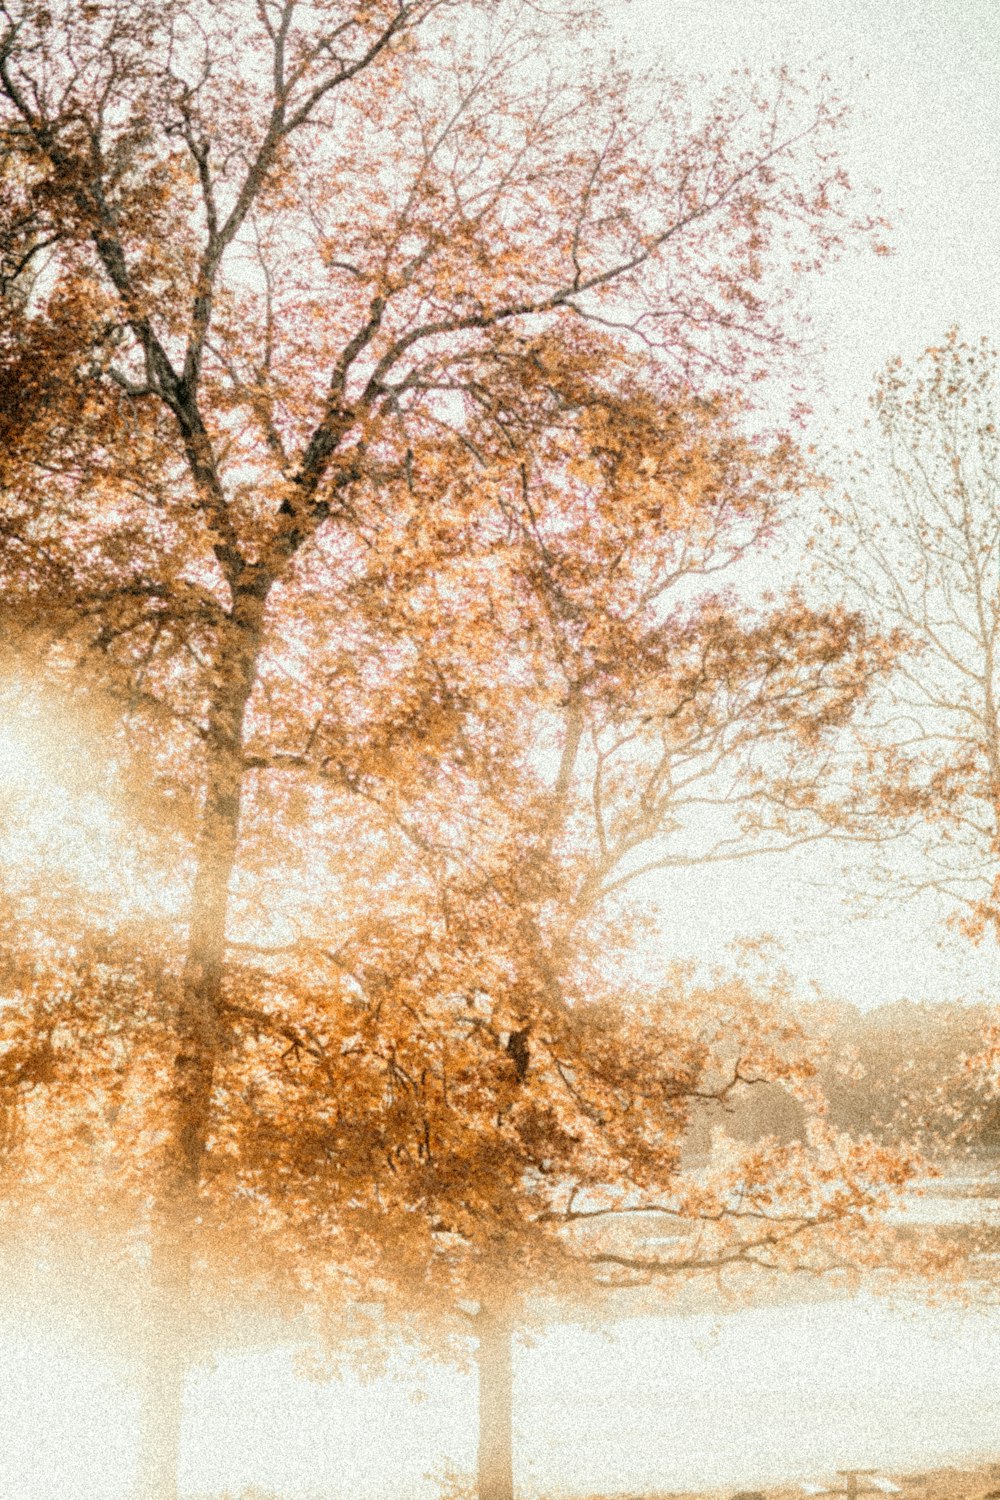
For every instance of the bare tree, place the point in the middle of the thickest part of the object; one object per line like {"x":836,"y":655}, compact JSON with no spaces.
{"x":915,"y":534}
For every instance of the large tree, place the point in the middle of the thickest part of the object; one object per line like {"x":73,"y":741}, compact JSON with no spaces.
{"x":287,"y":266}
{"x":426,"y":1100}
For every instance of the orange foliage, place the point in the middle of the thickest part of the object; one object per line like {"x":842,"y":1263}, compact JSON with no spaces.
{"x":364,"y":443}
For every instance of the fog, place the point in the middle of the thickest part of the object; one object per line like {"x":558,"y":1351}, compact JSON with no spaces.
{"x":756,"y":1396}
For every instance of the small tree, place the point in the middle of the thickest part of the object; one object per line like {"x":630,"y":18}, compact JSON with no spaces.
{"x":913,"y":532}
{"x":292,"y":262}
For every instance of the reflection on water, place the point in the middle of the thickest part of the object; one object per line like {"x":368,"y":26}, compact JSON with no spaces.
{"x":760,"y":1395}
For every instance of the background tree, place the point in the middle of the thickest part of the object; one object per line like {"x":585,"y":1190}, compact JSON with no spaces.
{"x":915,"y":533}
{"x":899,"y":1073}
{"x":297,"y":259}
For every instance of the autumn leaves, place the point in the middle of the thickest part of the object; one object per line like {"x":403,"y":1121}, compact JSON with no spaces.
{"x":399,"y":523}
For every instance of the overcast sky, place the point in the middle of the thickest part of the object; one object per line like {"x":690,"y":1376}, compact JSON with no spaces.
{"x":923,"y":77}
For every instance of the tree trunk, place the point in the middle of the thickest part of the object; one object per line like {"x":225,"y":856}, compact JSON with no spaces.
{"x":496,"y":1387}
{"x":197,"y":1038}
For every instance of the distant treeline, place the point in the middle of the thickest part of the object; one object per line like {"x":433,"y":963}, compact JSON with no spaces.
{"x":898,"y":1072}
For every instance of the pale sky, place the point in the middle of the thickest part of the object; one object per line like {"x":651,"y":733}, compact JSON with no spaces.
{"x":923,"y":77}
{"x":923,"y":80}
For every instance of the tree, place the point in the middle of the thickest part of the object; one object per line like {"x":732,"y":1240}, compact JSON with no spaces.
{"x":437,"y":1119}
{"x":428,"y":1100}
{"x":290,"y":266}
{"x":472,"y":1192}
{"x":898,"y":1072}
{"x":506,"y":769}
{"x":915,"y":533}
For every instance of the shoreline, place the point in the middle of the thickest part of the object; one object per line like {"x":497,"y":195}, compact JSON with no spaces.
{"x":978,"y":1480}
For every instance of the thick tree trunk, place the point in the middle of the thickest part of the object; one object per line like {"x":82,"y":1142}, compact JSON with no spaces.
{"x":197,"y":1040}
{"x":496,"y":1389}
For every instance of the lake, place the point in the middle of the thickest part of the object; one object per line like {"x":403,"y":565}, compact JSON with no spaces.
{"x":756,"y":1396}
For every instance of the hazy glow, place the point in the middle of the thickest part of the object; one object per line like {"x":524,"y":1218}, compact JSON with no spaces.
{"x":768,"y":1394}
{"x":650,"y":1404}
{"x":18,"y":759}
{"x":60,"y":818}
{"x":61,"y":1414}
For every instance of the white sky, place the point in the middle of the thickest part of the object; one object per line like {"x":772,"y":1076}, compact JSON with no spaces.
{"x":923,"y":77}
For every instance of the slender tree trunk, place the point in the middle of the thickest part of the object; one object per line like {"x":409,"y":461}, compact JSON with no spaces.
{"x":496,"y":1388}
{"x":197,"y":1039}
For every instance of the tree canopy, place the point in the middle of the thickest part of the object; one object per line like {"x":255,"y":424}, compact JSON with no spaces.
{"x":376,"y":419}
